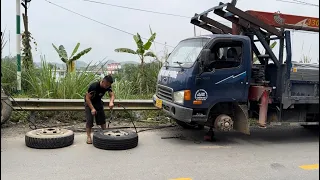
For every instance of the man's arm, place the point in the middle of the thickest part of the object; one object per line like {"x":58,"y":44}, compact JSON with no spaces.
{"x":88,"y":100}
{"x":112,"y":97}
{"x":89,"y":94}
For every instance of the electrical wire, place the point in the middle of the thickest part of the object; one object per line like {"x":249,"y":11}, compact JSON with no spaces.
{"x":23,"y":115}
{"x":126,"y":32}
{"x":130,"y":116}
{"x":298,"y":2}
{"x":136,"y":9}
{"x":32,"y":125}
{"x":142,"y":10}
{"x":156,"y":12}
{"x":303,"y":2}
{"x":132,"y":121}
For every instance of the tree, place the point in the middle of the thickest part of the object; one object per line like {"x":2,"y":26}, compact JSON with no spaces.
{"x":70,"y":61}
{"x":141,"y":48}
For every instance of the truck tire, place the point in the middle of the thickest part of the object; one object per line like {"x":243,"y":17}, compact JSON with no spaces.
{"x":49,"y":138}
{"x":191,"y":125}
{"x":6,"y":108}
{"x":115,"y":139}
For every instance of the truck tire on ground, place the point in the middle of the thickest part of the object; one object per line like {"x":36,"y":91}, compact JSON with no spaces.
{"x":49,"y":138}
{"x":6,"y":108}
{"x":115,"y":139}
{"x":191,"y":125}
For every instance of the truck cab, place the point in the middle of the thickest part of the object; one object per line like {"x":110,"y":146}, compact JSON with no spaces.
{"x":201,"y":72}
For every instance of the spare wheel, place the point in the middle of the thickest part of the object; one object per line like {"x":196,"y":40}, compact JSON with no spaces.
{"x":115,"y":139}
{"x":49,"y":138}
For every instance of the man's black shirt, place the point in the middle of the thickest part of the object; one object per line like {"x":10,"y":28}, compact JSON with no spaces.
{"x":97,"y":93}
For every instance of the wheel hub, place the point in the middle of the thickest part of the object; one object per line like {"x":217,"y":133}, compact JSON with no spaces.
{"x":49,"y":131}
{"x":224,"y":123}
{"x":116,"y":133}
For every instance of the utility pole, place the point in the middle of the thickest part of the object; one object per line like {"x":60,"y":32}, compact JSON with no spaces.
{"x":25,"y":15}
{"x":18,"y":36}
{"x":27,"y":55}
{"x":18,"y":45}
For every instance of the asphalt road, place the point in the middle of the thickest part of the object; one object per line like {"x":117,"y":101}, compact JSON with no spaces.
{"x":271,"y":154}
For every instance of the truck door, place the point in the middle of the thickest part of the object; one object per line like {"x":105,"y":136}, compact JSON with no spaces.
{"x":226,"y":76}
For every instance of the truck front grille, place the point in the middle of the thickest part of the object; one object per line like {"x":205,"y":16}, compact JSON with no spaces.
{"x":164,"y":92}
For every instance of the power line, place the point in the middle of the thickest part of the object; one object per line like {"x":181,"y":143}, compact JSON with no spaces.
{"x":143,"y":10}
{"x":125,"y":7}
{"x":298,"y":2}
{"x":303,"y":2}
{"x":126,"y":32}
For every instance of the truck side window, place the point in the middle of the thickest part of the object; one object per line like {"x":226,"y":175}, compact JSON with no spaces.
{"x":226,"y":55}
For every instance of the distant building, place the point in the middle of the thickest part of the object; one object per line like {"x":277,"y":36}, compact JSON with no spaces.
{"x":100,"y":72}
{"x":113,"y":68}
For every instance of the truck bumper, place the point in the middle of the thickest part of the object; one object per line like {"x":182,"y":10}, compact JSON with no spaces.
{"x":175,"y":111}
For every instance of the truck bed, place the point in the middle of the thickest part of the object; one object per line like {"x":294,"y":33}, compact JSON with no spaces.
{"x":303,"y":87}
{"x":304,"y":72}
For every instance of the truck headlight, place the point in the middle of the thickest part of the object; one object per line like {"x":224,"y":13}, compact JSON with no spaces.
{"x":178,"y":97}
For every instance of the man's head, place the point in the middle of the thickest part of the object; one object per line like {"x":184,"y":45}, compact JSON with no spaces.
{"x":106,"y":82}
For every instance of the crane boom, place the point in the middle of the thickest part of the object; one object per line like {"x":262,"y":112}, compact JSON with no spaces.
{"x":287,"y":21}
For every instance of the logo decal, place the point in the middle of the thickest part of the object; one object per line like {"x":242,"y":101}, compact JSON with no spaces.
{"x":201,"y":95}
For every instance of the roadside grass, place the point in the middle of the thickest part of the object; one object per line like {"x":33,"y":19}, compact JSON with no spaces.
{"x":43,"y":83}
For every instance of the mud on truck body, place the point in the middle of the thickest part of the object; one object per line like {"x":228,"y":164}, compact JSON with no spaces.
{"x":212,"y":80}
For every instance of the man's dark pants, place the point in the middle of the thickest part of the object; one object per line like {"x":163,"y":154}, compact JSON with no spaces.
{"x":100,"y":116}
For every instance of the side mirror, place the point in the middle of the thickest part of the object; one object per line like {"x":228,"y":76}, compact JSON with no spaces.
{"x":204,"y":59}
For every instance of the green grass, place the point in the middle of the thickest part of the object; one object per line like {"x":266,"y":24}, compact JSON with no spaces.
{"x":131,"y":82}
{"x":9,"y":77}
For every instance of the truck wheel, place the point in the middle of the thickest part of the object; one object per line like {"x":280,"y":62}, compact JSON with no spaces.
{"x":6,"y":108}
{"x":49,"y":138}
{"x":191,"y":125}
{"x":115,"y":139}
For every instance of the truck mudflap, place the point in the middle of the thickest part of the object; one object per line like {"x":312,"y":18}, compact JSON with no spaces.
{"x":241,"y":122}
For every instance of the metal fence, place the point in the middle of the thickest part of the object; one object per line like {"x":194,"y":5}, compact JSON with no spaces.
{"x":27,"y":104}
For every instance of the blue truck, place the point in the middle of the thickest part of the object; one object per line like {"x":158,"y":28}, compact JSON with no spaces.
{"x":212,"y":80}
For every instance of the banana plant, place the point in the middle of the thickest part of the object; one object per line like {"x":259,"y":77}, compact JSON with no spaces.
{"x":70,"y":61}
{"x":142,"y":48}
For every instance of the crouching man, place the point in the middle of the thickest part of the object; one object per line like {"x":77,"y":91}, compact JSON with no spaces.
{"x":94,"y":104}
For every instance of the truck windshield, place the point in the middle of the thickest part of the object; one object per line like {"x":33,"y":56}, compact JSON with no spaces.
{"x":186,"y":52}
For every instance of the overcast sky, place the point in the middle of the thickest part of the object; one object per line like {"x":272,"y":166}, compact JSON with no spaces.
{"x":51,"y":24}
